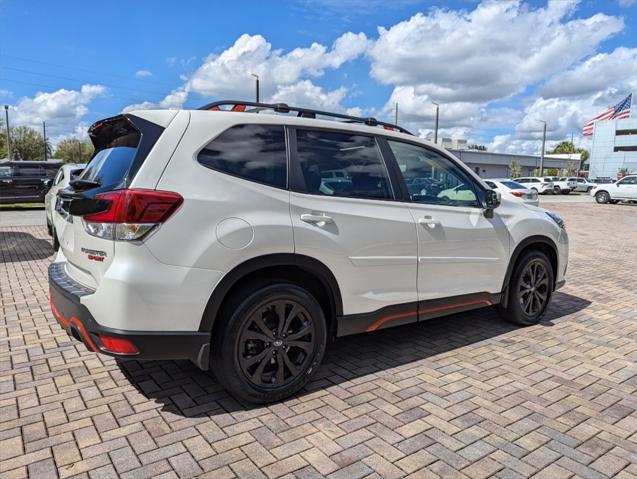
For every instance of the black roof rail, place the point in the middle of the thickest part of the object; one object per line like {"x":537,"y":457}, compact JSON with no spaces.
{"x":240,"y":106}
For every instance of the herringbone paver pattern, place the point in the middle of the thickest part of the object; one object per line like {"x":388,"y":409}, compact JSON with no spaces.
{"x":466,"y":396}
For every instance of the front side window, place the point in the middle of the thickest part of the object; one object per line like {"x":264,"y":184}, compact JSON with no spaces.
{"x":431,"y":178}
{"x":253,"y":152}
{"x":631,"y":180}
{"x":342,"y":164}
{"x":5,"y":171}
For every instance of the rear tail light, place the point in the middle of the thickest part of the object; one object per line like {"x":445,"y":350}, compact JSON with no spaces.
{"x":519,"y":194}
{"x":131,"y":214}
{"x":118,"y":345}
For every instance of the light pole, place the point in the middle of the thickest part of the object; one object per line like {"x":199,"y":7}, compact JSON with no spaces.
{"x":257,"y":84}
{"x":396,"y":115}
{"x":6,"y":114}
{"x":543,"y":147}
{"x":436,"y":127}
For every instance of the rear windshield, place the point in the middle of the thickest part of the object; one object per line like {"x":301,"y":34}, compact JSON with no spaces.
{"x":116,"y":145}
{"x":513,"y":185}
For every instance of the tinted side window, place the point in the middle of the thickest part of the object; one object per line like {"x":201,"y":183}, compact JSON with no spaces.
{"x":432,"y":178}
{"x":6,"y":171}
{"x":631,"y":180}
{"x":253,"y":152}
{"x":342,"y":164}
{"x":30,"y":171}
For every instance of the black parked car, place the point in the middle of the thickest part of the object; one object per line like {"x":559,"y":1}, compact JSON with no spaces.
{"x":26,"y":181}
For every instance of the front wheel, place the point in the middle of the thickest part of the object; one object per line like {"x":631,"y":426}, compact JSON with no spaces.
{"x":270,"y":343}
{"x":602,"y":197}
{"x":530,"y":289}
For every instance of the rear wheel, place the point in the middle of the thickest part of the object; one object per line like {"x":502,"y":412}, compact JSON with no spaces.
{"x":566,"y":192}
{"x":602,"y":197}
{"x":530,"y":289}
{"x":271,"y":341}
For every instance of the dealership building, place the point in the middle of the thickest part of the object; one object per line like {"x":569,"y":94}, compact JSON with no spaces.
{"x":614,"y":148}
{"x":496,"y":165}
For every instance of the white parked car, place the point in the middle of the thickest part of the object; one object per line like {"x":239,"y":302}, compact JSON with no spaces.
{"x":622,"y":190}
{"x":543,"y":186}
{"x":208,"y":235}
{"x":65,"y":174}
{"x":566,"y":185}
{"x":509,"y":187}
{"x":583,"y":184}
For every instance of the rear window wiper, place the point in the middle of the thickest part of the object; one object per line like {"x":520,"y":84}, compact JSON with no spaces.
{"x":84,"y":184}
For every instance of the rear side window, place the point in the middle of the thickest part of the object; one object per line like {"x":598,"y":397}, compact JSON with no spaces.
{"x":342,"y":164}
{"x":6,"y":171}
{"x":253,"y":152}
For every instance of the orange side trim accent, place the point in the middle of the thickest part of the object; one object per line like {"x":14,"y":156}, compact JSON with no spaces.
{"x":67,"y":323}
{"x":382,"y":321}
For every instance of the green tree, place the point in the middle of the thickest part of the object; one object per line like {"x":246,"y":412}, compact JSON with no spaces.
{"x":623,"y":172}
{"x":28,"y":144}
{"x":74,"y":150}
{"x":515,"y":169}
{"x":571,"y":168}
{"x":565,"y":147}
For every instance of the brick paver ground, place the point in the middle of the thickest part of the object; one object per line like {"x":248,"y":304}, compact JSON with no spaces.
{"x":463,"y":396}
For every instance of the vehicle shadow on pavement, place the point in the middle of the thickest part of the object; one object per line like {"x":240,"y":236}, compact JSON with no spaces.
{"x":18,"y":246}
{"x":184,"y":390}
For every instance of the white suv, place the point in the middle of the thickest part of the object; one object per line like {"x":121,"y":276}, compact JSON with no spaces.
{"x":222,"y":237}
{"x":543,"y":186}
{"x":622,"y":190}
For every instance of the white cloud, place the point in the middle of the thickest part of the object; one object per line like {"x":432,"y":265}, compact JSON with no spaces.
{"x":627,"y":3}
{"x":307,"y":94}
{"x":228,"y":75}
{"x":489,"y":53}
{"x":4,"y":92}
{"x":615,"y":71}
{"x":61,"y":109}
{"x":143,"y":74}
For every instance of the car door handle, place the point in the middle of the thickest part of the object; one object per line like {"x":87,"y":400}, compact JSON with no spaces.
{"x":318,"y":220}
{"x":429,"y":221}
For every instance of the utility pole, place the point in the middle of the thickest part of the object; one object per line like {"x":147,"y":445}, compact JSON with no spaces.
{"x":6,"y":114}
{"x":44,"y":135}
{"x":543,"y":146}
{"x":396,"y":115}
{"x":79,"y":150}
{"x":257,"y":84}
{"x":437,"y":116}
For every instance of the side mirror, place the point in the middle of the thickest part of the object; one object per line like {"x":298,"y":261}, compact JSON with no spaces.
{"x":492,"y":200}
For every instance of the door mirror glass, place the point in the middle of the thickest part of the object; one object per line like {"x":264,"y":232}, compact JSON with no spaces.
{"x":492,"y":200}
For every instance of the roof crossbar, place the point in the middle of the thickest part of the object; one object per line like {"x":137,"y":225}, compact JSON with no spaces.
{"x":237,"y":105}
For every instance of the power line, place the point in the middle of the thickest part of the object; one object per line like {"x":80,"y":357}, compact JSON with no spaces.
{"x":69,"y":67}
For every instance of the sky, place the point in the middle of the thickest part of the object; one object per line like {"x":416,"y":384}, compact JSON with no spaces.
{"x":496,"y":68}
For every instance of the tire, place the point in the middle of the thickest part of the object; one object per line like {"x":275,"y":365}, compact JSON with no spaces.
{"x":566,"y":192}
{"x":602,"y":197}
{"x":530,"y":289}
{"x":613,"y":202}
{"x":557,"y":190}
{"x":253,"y":327}
{"x":49,"y":228}
{"x":56,"y":242}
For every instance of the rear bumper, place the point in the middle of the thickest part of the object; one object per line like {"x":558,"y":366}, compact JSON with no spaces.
{"x":79,"y":323}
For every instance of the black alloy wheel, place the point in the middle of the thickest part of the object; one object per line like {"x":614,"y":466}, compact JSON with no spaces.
{"x":533,"y":290}
{"x":270,"y":341}
{"x":276,"y":343}
{"x":529,"y":290}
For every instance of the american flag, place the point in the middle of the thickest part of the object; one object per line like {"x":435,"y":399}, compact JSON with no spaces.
{"x":617,"y":112}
